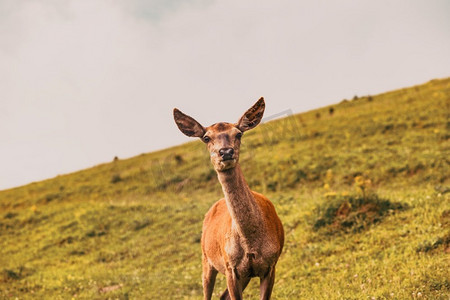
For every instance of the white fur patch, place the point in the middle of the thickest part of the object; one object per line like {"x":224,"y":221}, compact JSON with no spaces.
{"x":228,"y":164}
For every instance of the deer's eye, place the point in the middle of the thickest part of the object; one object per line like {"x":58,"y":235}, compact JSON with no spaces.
{"x":206,"y":139}
{"x":239,"y":135}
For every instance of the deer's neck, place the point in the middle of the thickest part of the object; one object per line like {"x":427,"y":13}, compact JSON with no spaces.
{"x":244,"y":211}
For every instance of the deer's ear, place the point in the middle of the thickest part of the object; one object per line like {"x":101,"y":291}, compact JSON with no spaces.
{"x":188,"y":125}
{"x":252,"y":117}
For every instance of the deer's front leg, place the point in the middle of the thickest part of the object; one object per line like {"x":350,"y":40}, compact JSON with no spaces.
{"x":233,"y":284}
{"x":266,"y":285}
{"x":208,"y":278}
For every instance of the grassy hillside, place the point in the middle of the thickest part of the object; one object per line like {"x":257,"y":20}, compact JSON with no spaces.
{"x":363,"y":193}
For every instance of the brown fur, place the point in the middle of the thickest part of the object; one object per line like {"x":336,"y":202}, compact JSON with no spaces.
{"x":217,"y":223}
{"x":242,"y":234}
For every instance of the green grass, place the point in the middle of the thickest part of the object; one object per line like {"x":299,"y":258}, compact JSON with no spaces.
{"x":130,"y":229}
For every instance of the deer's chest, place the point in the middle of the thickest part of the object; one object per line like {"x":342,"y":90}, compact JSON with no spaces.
{"x":249,"y":261}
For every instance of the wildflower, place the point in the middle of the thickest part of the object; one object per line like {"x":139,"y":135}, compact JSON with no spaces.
{"x":330,"y":194}
{"x":329,"y":175}
{"x":362,"y":184}
{"x":359,"y":181}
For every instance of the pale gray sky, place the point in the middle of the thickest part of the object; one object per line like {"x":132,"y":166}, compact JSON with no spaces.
{"x":82,"y":81}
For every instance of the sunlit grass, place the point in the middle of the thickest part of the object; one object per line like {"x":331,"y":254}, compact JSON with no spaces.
{"x":131,"y":228}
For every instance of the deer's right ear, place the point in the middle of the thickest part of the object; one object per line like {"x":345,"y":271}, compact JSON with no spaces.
{"x":188,"y":125}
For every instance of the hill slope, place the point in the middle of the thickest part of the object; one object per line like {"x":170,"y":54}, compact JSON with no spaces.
{"x":361,"y":188}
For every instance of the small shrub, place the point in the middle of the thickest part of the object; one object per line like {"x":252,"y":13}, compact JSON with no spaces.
{"x":116,"y":178}
{"x":51,"y":197}
{"x":77,"y":252}
{"x":445,"y":218}
{"x":179,"y":159}
{"x":10,"y":275}
{"x":272,"y":185}
{"x":140,"y":224}
{"x":300,"y":175}
{"x":353,"y":213}
{"x":331,"y":111}
{"x":387,"y":127}
{"x":95,"y":233}
{"x":10,"y":215}
{"x":208,"y":175}
{"x":66,"y":240}
{"x":428,"y":246}
{"x":197,"y":239}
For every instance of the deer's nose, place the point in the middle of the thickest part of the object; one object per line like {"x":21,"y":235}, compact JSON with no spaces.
{"x":226,"y":153}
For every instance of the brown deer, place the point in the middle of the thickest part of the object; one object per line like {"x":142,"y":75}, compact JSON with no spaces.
{"x":242,"y":234}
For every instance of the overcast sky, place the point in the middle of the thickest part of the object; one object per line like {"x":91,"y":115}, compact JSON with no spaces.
{"x":82,"y":81}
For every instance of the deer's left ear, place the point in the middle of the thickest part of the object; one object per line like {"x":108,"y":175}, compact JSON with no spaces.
{"x":252,"y":117}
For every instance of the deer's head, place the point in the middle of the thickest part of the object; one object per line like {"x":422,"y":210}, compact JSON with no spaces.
{"x":222,"y":139}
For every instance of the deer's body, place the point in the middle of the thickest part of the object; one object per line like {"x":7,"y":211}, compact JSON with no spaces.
{"x":242,"y":234}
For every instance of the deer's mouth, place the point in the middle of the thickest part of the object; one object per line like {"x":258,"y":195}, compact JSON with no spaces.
{"x":227,"y":158}
{"x":226,"y":164}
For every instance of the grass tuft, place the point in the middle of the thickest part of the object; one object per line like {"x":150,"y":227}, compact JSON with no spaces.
{"x":116,"y":178}
{"x":442,"y":242}
{"x":354,"y":213}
